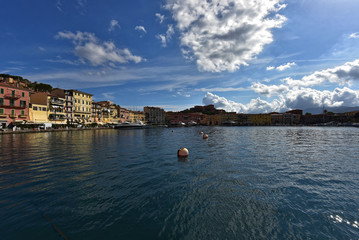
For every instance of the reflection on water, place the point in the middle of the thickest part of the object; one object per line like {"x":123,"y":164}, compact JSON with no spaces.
{"x":240,"y":183}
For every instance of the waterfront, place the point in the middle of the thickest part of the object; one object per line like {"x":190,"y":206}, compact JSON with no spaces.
{"x":240,"y":183}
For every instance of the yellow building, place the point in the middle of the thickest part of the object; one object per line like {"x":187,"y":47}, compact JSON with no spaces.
{"x":260,"y":119}
{"x":136,"y":116}
{"x":211,"y":120}
{"x":82,"y":106}
{"x":38,"y":113}
{"x":230,"y":118}
{"x":109,"y":112}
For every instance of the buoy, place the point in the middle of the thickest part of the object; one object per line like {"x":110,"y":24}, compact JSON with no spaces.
{"x":200,"y":133}
{"x":205,"y":136}
{"x":182,"y":152}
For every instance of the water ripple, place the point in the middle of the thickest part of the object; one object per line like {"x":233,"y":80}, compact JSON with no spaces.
{"x":240,"y":183}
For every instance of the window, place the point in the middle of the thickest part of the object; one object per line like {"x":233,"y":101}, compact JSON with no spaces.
{"x":1,"y":101}
{"x":1,"y":90}
{"x":34,"y":108}
{"x":12,"y":112}
{"x":23,"y":103}
{"x":1,"y":111}
{"x":12,"y":102}
{"x":23,"y":94}
{"x":22,"y":112}
{"x":43,"y":109}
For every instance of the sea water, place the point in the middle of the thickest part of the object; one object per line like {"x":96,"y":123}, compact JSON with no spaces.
{"x":240,"y":183}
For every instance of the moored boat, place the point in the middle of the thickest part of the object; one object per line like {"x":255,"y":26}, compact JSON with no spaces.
{"x":138,"y":124}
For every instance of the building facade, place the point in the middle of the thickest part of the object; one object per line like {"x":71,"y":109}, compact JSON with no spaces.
{"x":154,"y":115}
{"x":82,"y":106}
{"x":14,"y":104}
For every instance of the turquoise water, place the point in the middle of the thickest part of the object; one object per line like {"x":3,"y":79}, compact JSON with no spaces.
{"x":240,"y":183}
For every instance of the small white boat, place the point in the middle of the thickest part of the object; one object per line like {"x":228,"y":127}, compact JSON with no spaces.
{"x":138,"y":124}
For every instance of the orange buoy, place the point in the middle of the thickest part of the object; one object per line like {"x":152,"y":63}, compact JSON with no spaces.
{"x":200,"y":133}
{"x":205,"y":136}
{"x":182,"y":152}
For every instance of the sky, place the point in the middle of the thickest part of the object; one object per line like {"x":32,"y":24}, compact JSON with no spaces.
{"x":252,"y":56}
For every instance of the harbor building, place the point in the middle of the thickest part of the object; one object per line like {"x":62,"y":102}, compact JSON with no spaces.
{"x":69,"y":102}
{"x":154,"y":115}
{"x":39,"y":112}
{"x":14,"y":103}
{"x":82,"y":106}
{"x":136,"y":116}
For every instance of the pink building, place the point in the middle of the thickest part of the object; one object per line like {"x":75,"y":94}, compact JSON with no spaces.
{"x":14,"y":104}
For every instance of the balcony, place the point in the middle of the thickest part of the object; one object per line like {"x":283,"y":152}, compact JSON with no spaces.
{"x":22,"y":116}
{"x":12,"y":105}
{"x":57,"y":117}
{"x":57,"y":102}
{"x":12,"y":96}
{"x":3,"y":115}
{"x":13,"y":115}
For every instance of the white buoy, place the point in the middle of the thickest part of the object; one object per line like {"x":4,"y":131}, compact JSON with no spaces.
{"x":182,"y":152}
{"x":205,"y":136}
{"x":200,"y":133}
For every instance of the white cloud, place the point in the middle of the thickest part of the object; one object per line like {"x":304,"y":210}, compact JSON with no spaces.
{"x":141,"y":29}
{"x":285,"y":66}
{"x":109,"y":96}
{"x":222,"y":35}
{"x":281,"y":67}
{"x":166,"y":37}
{"x":310,"y":98}
{"x":89,"y":49}
{"x":302,"y":98}
{"x":354,"y":35}
{"x":344,"y":74}
{"x":113,"y":25}
{"x":269,"y":90}
{"x":160,"y":17}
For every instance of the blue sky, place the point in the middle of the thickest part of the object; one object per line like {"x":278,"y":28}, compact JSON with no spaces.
{"x":256,"y":56}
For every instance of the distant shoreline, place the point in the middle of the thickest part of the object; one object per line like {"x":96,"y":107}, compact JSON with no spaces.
{"x":9,"y":131}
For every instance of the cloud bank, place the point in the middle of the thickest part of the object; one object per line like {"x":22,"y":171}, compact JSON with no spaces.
{"x":222,"y":35}
{"x":297,"y":93}
{"x":90,"y":49}
{"x":344,"y":74}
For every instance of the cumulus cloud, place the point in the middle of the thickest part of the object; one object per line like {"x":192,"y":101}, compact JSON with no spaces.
{"x":141,"y":29}
{"x":310,"y":98}
{"x":286,"y":66}
{"x":344,"y":74}
{"x":269,"y":90}
{"x":296,"y":98}
{"x":90,"y":49}
{"x":160,"y":17}
{"x":354,"y":35}
{"x":222,"y":35}
{"x":254,"y":106}
{"x":113,"y":25}
{"x":164,"y":38}
{"x":281,"y":67}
